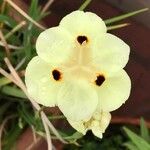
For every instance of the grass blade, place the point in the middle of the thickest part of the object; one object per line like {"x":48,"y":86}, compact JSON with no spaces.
{"x":8,"y":21}
{"x":121,"y":17}
{"x":130,"y":146}
{"x":4,"y":81}
{"x":140,"y":143}
{"x":12,"y":91}
{"x":144,"y":130}
{"x":85,"y":4}
{"x":117,"y":26}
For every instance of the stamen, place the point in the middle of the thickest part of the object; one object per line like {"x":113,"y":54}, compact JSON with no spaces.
{"x":82,"y":39}
{"x":56,"y":75}
{"x":100,"y":79}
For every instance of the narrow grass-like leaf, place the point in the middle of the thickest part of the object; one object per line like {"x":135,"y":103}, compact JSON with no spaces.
{"x":130,"y":146}
{"x":15,"y":29}
{"x":121,"y":17}
{"x":13,"y":91}
{"x":144,"y":130}
{"x":43,"y":15}
{"x":26,"y":115}
{"x":8,"y":21}
{"x":137,"y":140}
{"x":4,"y":81}
{"x":117,"y":26}
{"x":85,"y":4}
{"x":31,"y":31}
{"x":34,"y":10}
{"x":11,"y":137}
{"x":76,"y":136}
{"x":71,"y":138}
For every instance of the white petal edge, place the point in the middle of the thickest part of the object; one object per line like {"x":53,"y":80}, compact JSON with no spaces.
{"x":78,"y":125}
{"x":55,"y":45}
{"x":110,"y":53}
{"x":77,"y":100}
{"x":114,"y":91}
{"x":83,"y":23}
{"x":40,"y":84}
{"x":98,"y":125}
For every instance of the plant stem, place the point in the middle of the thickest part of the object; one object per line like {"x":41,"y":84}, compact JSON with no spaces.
{"x":117,"y":26}
{"x":47,"y":6}
{"x":85,"y":4}
{"x":121,"y":17}
{"x":20,"y":25}
{"x":5,"y":44}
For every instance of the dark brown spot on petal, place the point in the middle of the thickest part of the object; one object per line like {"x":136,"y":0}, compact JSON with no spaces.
{"x":56,"y":75}
{"x":82,"y":39}
{"x":100,"y":79}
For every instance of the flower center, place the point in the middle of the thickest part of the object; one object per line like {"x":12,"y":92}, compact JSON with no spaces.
{"x":56,"y":75}
{"x":100,"y":79}
{"x":80,"y":65}
{"x":82,"y":39}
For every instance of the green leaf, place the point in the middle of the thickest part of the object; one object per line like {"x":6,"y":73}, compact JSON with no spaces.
{"x":8,"y":21}
{"x":43,"y":15}
{"x":31,"y":31}
{"x":121,"y":17}
{"x":12,"y":137}
{"x":76,"y":135}
{"x":13,"y":91}
{"x":144,"y":130}
{"x":4,"y":81}
{"x":140,"y":143}
{"x":20,"y":123}
{"x":130,"y":146}
{"x":27,"y":44}
{"x":113,"y":27}
{"x":34,"y":10}
{"x":85,"y":4}
{"x":26,"y":114}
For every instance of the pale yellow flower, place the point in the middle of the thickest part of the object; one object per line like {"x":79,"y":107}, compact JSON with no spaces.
{"x":97,"y":123}
{"x":79,"y":68}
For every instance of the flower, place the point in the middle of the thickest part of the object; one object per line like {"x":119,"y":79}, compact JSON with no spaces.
{"x":79,"y":68}
{"x":98,"y":124}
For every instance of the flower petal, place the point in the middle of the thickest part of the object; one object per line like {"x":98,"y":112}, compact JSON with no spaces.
{"x":114,"y":91}
{"x":83,"y":23}
{"x":54,"y":45}
{"x":110,"y":53}
{"x":77,"y":100}
{"x":105,"y":120}
{"x":97,"y":132}
{"x":78,"y":125}
{"x":98,"y":127}
{"x":98,"y":124}
{"x":40,"y":84}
